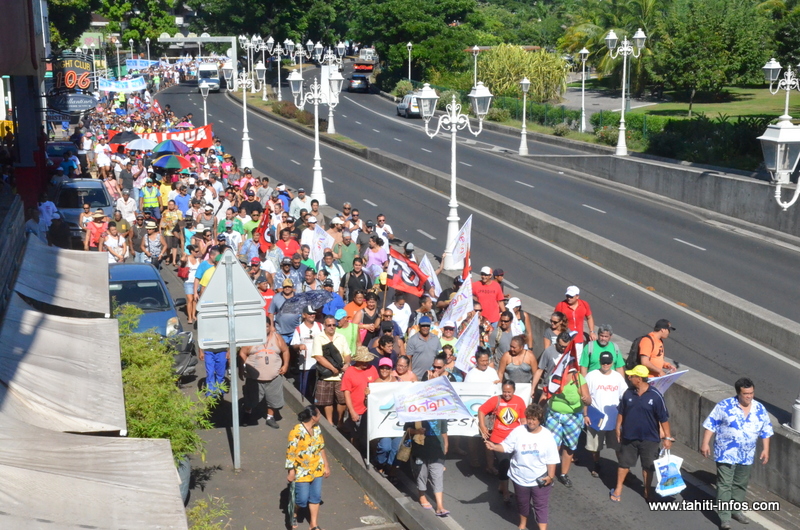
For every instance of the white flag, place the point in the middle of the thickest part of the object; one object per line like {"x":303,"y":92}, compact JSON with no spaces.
{"x":426,"y":267}
{"x":461,"y":304}
{"x":467,"y":344}
{"x":322,"y":240}
{"x":463,"y":241}
{"x":435,"y":399}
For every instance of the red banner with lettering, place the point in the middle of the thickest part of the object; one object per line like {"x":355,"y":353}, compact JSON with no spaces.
{"x":201,"y":137}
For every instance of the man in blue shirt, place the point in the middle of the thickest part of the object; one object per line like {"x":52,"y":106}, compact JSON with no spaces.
{"x":335,"y":303}
{"x":642,"y":417}
{"x":738,"y":422}
{"x":182,"y":200}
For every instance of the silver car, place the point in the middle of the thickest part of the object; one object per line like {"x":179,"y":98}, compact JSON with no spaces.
{"x":71,"y":195}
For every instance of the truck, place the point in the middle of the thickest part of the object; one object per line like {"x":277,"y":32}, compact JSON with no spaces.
{"x":367,"y":60}
{"x":208,"y":72}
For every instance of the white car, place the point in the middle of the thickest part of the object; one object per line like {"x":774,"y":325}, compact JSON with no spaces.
{"x":409,"y":106}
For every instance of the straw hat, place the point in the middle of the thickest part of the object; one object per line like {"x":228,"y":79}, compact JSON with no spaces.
{"x":363,"y":355}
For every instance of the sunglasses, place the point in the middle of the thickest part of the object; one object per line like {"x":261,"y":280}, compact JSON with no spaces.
{"x":330,"y":325}
{"x":555,"y":322}
{"x":505,"y":321}
{"x":570,"y":296}
{"x":438,"y":367}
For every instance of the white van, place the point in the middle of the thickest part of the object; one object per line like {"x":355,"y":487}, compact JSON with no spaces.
{"x":209,"y":73}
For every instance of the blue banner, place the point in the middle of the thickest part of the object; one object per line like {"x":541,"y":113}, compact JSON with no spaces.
{"x":139,"y":64}
{"x":129,"y":85}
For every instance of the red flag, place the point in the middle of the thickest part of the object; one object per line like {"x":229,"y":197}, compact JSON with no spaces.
{"x":157,"y":107}
{"x":262,"y":228}
{"x":404,"y":275}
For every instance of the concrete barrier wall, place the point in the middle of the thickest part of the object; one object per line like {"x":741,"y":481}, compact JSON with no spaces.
{"x":739,"y":197}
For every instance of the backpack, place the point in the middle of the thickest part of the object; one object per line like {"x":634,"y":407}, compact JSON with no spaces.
{"x":633,"y":354}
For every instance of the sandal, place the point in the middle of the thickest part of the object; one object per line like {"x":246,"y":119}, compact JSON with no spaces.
{"x":444,"y":513}
{"x":614,"y":498}
{"x":426,"y":505}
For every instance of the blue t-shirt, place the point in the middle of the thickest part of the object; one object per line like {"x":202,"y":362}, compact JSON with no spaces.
{"x":183,"y":202}
{"x":642,"y":414}
{"x":331,"y":307}
{"x":202,"y":268}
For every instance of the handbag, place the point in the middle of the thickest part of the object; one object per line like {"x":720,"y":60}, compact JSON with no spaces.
{"x":404,"y":453}
{"x":183,"y":273}
{"x":668,"y":474}
{"x":332,"y":355}
{"x":489,"y":419}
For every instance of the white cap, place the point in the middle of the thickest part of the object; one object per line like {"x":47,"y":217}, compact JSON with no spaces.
{"x":337,"y":221}
{"x":311,"y":219}
{"x":513,"y":303}
{"x":573,"y":290}
{"x":486,"y":270}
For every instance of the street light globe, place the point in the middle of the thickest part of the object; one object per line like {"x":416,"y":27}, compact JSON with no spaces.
{"x":147,"y":40}
{"x":227,"y":73}
{"x":611,"y":40}
{"x":584,"y":53}
{"x":289,"y":45}
{"x":638,"y":38}
{"x":480,"y":98}
{"x":296,"y":83}
{"x":525,"y":84}
{"x":772,"y":70}
{"x":318,"y":51}
{"x":270,"y":44}
{"x":409,"y":46}
{"x":204,"y":86}
{"x":340,"y":49}
{"x":780,"y":144}
{"x":427,"y":101}
{"x":310,"y":46}
{"x":260,"y":71}
{"x":336,"y":82}
{"x":242,"y":41}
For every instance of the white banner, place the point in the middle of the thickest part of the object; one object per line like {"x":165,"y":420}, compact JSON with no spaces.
{"x":461,"y":304}
{"x":467,"y":344}
{"x":139,"y":64}
{"x":665,"y":381}
{"x":430,"y":400}
{"x":426,"y":267}
{"x":322,"y":241}
{"x":463,"y":241}
{"x":382,"y":417}
{"x":128,"y":85}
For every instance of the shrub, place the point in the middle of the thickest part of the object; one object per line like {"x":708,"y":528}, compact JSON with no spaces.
{"x":496,"y":114}
{"x":607,"y":135}
{"x":446,"y":97}
{"x":561,"y":129}
{"x":286,"y":109}
{"x":403,"y":87}
{"x":209,"y":514}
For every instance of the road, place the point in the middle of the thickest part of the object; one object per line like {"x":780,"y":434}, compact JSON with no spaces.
{"x":675,"y":237}
{"x":540,"y":271}
{"x":536,"y":267}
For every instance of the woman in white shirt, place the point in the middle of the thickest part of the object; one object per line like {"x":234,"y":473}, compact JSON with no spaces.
{"x":483,"y":371}
{"x":115,"y":244}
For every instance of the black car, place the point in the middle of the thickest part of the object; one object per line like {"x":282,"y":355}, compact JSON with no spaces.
{"x":358,"y":83}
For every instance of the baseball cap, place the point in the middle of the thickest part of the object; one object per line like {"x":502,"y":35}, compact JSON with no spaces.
{"x":386,"y":326}
{"x":247,"y":171}
{"x":425,"y":321}
{"x":250,"y":193}
{"x":499,"y":272}
{"x":573,"y":290}
{"x":126,"y":191}
{"x":228,"y":223}
{"x":280,"y":187}
{"x":209,"y":208}
{"x":140,"y":216}
{"x":386,"y":361}
{"x":262,"y":278}
{"x":286,"y":261}
{"x":340,"y":314}
{"x":308,"y":310}
{"x":337,"y":221}
{"x":606,"y":358}
{"x":287,"y":283}
{"x":486,"y":270}
{"x":200,"y":227}
{"x":409,"y":247}
{"x":255,"y":261}
{"x":458,"y":280}
{"x":311,"y":219}
{"x":370,"y":224}
{"x":301,"y":190}
{"x":220,"y":237}
{"x":327,"y":283}
{"x":448,"y":324}
{"x":663,"y":324}
{"x":513,"y":302}
{"x":639,"y":370}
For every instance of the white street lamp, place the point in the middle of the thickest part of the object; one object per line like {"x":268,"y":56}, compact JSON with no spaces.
{"x":261,"y":72}
{"x":584,"y":55}
{"x":94,"y":66}
{"x":409,"y":46}
{"x":625,"y":49}
{"x":245,"y":82}
{"x":780,"y":143}
{"x":204,"y":92}
{"x":276,"y":51}
{"x":525,"y":85}
{"x":130,"y":41}
{"x":332,"y":59}
{"x":475,"y":52}
{"x":314,"y":96}
{"x":147,"y":41}
{"x":453,"y":121}
{"x":118,"y":45}
{"x":227,"y":73}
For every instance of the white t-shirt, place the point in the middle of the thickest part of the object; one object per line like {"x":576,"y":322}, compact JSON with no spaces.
{"x":531,"y":454}
{"x":382,"y":233}
{"x":482,"y":376}
{"x":401,"y":316}
{"x":114,"y":243}
{"x":606,"y":392}
{"x":308,"y":237}
{"x":233,"y":239}
{"x":305,"y":335}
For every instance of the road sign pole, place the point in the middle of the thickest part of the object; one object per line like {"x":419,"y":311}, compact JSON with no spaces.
{"x":237,"y":465}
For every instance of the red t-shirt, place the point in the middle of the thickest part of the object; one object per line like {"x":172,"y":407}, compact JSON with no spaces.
{"x":575,"y":317}
{"x":289,"y":248}
{"x":489,"y":295}
{"x":510,"y":415}
{"x":268,"y":295}
{"x":356,"y":381}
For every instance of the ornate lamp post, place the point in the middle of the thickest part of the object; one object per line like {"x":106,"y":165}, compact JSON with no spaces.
{"x":276,"y":51}
{"x":525,"y":85}
{"x":453,"y":121}
{"x":118,"y":45}
{"x":625,"y":49}
{"x":130,"y":41}
{"x":147,"y":41}
{"x":332,"y":59}
{"x":584,"y":55}
{"x":409,"y":46}
{"x":245,"y":82}
{"x":475,"y":52}
{"x":315,"y":97}
{"x":204,"y":92}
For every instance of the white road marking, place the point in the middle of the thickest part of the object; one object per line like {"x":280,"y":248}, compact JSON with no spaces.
{"x":397,"y":140}
{"x":524,"y":183}
{"x":370,"y":203}
{"x":464,"y":163}
{"x":426,"y":234}
{"x":210,"y":115}
{"x":593,"y":208}
{"x":233,"y":128}
{"x":426,"y":150}
{"x":327,"y":179}
{"x":687,"y":243}
{"x":510,"y":284}
{"x":376,"y":130}
{"x":296,"y":162}
{"x":271,"y":149}
{"x":358,"y":123}
{"x":220,"y":121}
{"x":344,"y":116}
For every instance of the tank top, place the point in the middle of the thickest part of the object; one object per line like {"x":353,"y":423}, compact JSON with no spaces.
{"x":154,"y":247}
{"x":114,"y":243}
{"x":192,"y":269}
{"x":521,"y":373}
{"x":264,"y":362}
{"x":95,"y":232}
{"x":366,"y":319}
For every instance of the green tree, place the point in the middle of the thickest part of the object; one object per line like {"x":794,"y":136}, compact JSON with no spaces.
{"x":787,"y":38}
{"x":502,"y":68}
{"x":708,"y":44}
{"x":68,"y":20}
{"x":138,"y":20}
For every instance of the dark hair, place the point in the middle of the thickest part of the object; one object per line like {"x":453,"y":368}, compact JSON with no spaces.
{"x":405,"y":358}
{"x":447,"y":347}
{"x":112,"y":223}
{"x":358,"y":259}
{"x":440,"y":357}
{"x":519,"y":339}
{"x":508,"y":314}
{"x":371,"y":296}
{"x":385,"y":339}
{"x":534,"y":410}
{"x":481,"y":352}
{"x":743,"y":382}
{"x":307,"y":413}
{"x":509,"y":382}
{"x":564,"y":336}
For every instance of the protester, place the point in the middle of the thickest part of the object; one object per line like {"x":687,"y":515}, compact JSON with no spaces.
{"x":307,"y":463}
{"x":428,"y":450}
{"x":606,"y":388}
{"x":576,"y":312}
{"x":422,"y":348}
{"x":651,"y":349}
{"x":517,"y":364}
{"x":593,"y":352}
{"x":508,"y":410}
{"x":354,"y":384}
{"x":264,"y":366}
{"x":332,"y":354}
{"x":403,"y":371}
{"x":565,"y":419}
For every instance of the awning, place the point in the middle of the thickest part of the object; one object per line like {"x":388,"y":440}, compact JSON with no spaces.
{"x":70,"y":279}
{"x":61,"y":373}
{"x":56,"y":480}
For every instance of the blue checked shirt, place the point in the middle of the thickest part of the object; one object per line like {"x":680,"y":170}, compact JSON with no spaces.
{"x":736,"y":435}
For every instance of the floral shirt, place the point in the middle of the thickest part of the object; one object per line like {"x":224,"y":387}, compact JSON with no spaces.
{"x":304,"y":453}
{"x":736,"y":434}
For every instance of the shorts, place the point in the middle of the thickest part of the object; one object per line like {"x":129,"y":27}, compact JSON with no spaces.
{"x":596,"y":440}
{"x":188,"y":287}
{"x":256,"y":391}
{"x":327,"y":393}
{"x":566,"y":428}
{"x":308,"y":492}
{"x":646,"y":450}
{"x":503,"y":463}
{"x":172,"y":242}
{"x":103,"y":161}
{"x":428,"y":471}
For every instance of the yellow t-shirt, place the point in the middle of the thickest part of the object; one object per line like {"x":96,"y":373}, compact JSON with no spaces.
{"x":207,"y":277}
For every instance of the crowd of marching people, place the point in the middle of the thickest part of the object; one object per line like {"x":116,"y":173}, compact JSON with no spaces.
{"x":342,"y":314}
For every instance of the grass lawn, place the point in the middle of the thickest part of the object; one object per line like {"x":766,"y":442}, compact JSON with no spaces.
{"x":741,"y":101}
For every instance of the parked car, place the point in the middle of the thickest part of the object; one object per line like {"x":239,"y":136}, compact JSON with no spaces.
{"x":358,"y":83}
{"x":409,"y":106}
{"x":141,"y":285}
{"x":71,"y":195}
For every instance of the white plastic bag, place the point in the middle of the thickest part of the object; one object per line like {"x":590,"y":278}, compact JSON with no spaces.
{"x":668,"y":474}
